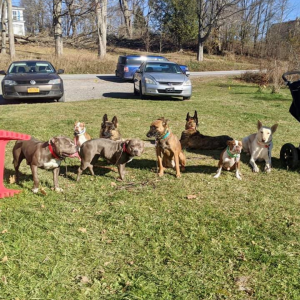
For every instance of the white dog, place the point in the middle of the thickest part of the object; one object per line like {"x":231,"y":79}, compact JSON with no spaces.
{"x":259,"y":145}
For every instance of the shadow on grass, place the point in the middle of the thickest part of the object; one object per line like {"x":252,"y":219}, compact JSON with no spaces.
{"x":122,"y":95}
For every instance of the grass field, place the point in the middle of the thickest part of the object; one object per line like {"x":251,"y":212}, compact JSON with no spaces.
{"x":155,"y":238}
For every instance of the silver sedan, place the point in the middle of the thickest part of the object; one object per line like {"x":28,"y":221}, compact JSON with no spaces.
{"x":159,"y":79}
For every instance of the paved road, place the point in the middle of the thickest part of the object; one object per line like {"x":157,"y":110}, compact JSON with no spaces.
{"x":93,"y":86}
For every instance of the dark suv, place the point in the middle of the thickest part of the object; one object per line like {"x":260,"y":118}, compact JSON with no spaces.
{"x":128,"y":64}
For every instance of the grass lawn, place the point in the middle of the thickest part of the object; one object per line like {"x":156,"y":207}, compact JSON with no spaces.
{"x":155,"y":238}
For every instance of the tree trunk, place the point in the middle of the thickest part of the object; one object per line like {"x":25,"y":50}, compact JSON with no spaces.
{"x":127,"y":16}
{"x":101,"y":18}
{"x":57,"y":4}
{"x":11,"y":37}
{"x":200,"y":56}
{"x":3,"y":26}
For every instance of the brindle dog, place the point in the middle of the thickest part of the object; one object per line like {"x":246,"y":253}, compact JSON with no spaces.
{"x":191,"y":138}
{"x":168,"y":148}
{"x":109,"y":130}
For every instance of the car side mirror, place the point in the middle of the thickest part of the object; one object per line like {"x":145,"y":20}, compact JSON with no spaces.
{"x":187,"y":73}
{"x":2,"y":72}
{"x":60,"y":71}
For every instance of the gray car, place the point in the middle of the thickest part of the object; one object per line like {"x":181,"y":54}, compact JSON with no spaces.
{"x":32,"y":79}
{"x":159,"y":79}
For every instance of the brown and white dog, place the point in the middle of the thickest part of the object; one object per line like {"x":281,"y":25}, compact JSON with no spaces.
{"x":191,"y":138}
{"x":230,"y":159}
{"x":259,"y":145}
{"x":168,"y":148}
{"x":109,"y":130}
{"x":80,"y":133}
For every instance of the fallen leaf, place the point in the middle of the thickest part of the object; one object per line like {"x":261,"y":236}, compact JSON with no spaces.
{"x":99,"y":212}
{"x":43,"y":191}
{"x":5,"y":259}
{"x":84,"y":279}
{"x":74,"y":210}
{"x":191,"y":197}
{"x":4,"y":231}
{"x":4,"y":280}
{"x":42,"y":206}
{"x":81,"y":229}
{"x":113,"y":184}
{"x":12,"y":179}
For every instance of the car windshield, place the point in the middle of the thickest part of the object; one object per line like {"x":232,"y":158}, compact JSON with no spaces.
{"x":31,"y":67}
{"x":162,"y":68}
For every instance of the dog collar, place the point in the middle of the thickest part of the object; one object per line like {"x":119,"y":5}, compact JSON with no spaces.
{"x":165,"y":136}
{"x":52,"y":152}
{"x":266,"y":145}
{"x":80,"y":133}
{"x":231,"y":154}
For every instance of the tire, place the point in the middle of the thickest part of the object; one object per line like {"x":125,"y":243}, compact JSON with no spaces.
{"x":141,"y":92}
{"x":187,"y":98}
{"x":289,"y":156}
{"x":61,"y":99}
{"x":135,"y":91}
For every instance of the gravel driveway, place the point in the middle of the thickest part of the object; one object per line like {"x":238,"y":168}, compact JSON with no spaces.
{"x":80,"y":87}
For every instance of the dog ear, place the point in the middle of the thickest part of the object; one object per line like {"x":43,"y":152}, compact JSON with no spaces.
{"x":82,"y":124}
{"x":165,"y":122}
{"x":259,"y":124}
{"x":115,"y":121}
{"x":274,"y":128}
{"x":76,"y":122}
{"x":104,"y":118}
{"x":229,"y":142}
{"x":52,"y":141}
{"x":188,"y":116}
{"x":196,"y":117}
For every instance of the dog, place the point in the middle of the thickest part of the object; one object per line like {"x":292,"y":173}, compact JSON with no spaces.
{"x":80,"y":133}
{"x":259,"y":145}
{"x":44,"y":155}
{"x":230,"y":158}
{"x":109,"y":130}
{"x":168,"y":148}
{"x":191,"y":138}
{"x":116,"y":152}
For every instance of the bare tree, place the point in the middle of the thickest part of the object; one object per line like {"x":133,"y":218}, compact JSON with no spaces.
{"x":3,"y":26}
{"x":11,"y":37}
{"x":209,"y":13}
{"x":57,"y":7}
{"x":101,"y":18}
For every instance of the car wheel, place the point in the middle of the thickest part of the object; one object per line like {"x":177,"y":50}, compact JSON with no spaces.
{"x":135,"y":91}
{"x":187,"y":98}
{"x":289,"y":156}
{"x":61,"y":99}
{"x":141,"y":92}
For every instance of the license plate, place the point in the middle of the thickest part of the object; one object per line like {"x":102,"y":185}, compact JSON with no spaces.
{"x":33,"y":90}
{"x":170,"y":89}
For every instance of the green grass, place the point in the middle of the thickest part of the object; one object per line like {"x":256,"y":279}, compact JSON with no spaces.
{"x":143,"y":238}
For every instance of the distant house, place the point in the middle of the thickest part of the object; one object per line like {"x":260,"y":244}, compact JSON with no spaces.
{"x":285,"y":30}
{"x":18,"y":20}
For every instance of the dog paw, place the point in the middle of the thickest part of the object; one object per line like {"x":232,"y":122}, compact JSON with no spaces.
{"x":178,"y":175}
{"x":217,"y":176}
{"x":239,"y":177}
{"x":268,"y":169}
{"x":255,"y":169}
{"x":160,"y":174}
{"x":35,"y":190}
{"x":58,"y":190}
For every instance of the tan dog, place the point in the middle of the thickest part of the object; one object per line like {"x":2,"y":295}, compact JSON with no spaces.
{"x":259,"y":145}
{"x":80,"y":133}
{"x":109,"y":130}
{"x":168,"y":148}
{"x":230,"y":159}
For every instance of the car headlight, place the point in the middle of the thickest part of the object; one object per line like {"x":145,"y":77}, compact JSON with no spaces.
{"x":149,"y":80}
{"x":9,"y":82}
{"x":188,"y":82}
{"x":54,"y":81}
